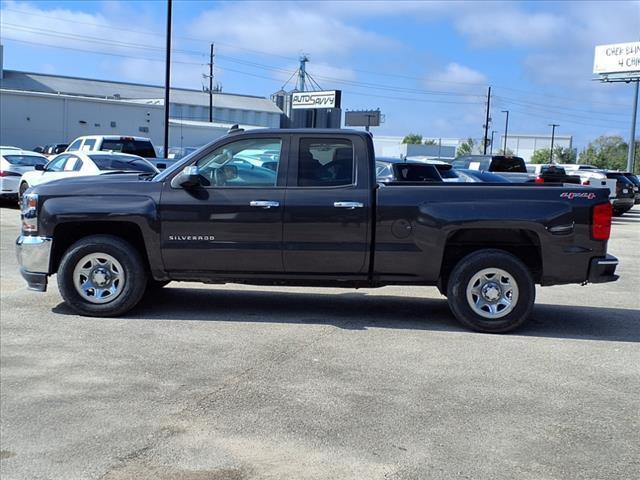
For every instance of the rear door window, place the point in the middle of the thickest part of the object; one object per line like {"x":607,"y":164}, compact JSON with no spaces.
{"x":142,"y":148}
{"x":508,"y":164}
{"x":325,"y":162}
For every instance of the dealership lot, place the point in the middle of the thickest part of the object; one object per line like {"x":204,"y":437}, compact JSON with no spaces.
{"x":240,"y":382}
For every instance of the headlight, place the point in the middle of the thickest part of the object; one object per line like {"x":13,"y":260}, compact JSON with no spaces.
{"x":29,"y":213}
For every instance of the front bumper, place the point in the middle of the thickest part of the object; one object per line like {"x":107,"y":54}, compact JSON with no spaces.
{"x":603,"y":270}
{"x":34,"y":255}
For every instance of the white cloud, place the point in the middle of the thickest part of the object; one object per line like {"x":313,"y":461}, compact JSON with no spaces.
{"x":283,"y":28}
{"x":126,"y":54}
{"x":458,"y":77}
{"x":510,"y":27}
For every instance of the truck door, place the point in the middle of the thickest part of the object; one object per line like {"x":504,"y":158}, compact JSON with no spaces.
{"x":327,"y":206}
{"x":233,"y":221}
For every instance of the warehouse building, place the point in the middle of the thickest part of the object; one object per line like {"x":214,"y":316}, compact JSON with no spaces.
{"x":37,"y":109}
{"x":524,"y":145}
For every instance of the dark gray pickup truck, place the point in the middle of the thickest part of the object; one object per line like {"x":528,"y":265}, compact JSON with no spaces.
{"x":303,"y":207}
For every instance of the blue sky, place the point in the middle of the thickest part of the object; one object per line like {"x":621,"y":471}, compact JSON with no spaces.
{"x":426,"y":65}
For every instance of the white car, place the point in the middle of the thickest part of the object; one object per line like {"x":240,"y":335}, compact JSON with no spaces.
{"x":13,"y":164}
{"x":78,"y":164}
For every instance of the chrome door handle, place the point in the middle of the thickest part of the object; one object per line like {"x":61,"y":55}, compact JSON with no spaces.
{"x":349,"y":205}
{"x":263,"y":204}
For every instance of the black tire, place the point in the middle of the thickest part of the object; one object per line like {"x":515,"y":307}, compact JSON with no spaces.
{"x":472,"y":264}
{"x":24,"y":186}
{"x":618,"y":212}
{"x":135,"y":276}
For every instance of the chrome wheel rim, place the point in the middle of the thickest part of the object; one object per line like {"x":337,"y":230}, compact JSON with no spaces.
{"x":492,"y":293}
{"x":99,"y":278}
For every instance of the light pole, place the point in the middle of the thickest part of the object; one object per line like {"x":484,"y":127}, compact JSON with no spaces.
{"x":506,"y":129}
{"x":167,"y":82}
{"x":632,"y":137}
{"x":491,"y":151}
{"x":553,"y":135}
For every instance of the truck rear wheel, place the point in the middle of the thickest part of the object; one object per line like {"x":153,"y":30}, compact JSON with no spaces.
{"x":102,"y":276}
{"x":491,"y":291}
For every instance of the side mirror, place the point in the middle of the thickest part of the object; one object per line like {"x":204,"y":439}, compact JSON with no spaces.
{"x":187,"y":178}
{"x":40,"y":168}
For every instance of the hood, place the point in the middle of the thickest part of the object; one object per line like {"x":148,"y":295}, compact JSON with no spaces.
{"x":116,"y":183}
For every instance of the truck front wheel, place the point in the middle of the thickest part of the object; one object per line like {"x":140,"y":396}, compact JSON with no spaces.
{"x":102,"y":276}
{"x":491,"y":291}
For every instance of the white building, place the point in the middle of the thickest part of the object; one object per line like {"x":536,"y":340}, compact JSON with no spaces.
{"x":524,"y":145}
{"x":37,"y":109}
{"x":392,"y":146}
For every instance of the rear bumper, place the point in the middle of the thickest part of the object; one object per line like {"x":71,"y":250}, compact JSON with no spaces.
{"x":623,"y":202}
{"x":34,"y":254}
{"x":9,"y":185}
{"x":603,"y":270}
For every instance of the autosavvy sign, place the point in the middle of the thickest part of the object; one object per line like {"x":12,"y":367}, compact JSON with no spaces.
{"x":617,"y":58}
{"x":327,"y":99}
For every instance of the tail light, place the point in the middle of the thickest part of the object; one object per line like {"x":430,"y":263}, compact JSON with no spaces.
{"x":586,"y":182}
{"x":4,"y":173}
{"x":539,"y":180}
{"x":601,"y":221}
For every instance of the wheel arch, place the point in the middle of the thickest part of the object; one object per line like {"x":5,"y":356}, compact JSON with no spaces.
{"x":522,"y":243}
{"x":67,"y":233}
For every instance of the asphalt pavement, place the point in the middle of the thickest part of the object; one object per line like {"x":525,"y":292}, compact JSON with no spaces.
{"x":239,"y":382}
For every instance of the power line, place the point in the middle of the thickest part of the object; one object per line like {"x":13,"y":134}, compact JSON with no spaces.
{"x":100,"y":53}
{"x":384,"y":87}
{"x":546,"y":117}
{"x":261,"y":52}
{"x":554,"y":111}
{"x":545,"y":106}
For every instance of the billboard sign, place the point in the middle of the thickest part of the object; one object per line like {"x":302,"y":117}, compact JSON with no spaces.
{"x":362,"y":118}
{"x":326,"y":99}
{"x":617,"y":58}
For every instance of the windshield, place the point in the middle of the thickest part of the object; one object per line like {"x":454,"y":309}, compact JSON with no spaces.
{"x":142,"y":148}
{"x":446,"y":171}
{"x":25,"y":160}
{"x":120,"y":162}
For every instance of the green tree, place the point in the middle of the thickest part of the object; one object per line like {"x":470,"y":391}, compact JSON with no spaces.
{"x":560,"y":155}
{"x":466,"y":147}
{"x":430,"y":142}
{"x":509,"y":152}
{"x":412,"y":138}
{"x":606,"y":152}
{"x":540,"y":156}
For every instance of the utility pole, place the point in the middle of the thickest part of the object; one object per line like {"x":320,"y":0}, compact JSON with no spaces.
{"x":211,"y":84}
{"x":506,"y":129}
{"x":632,"y":138}
{"x":491,"y":151}
{"x":553,"y":135}
{"x":486,"y":122}
{"x":167,"y":82}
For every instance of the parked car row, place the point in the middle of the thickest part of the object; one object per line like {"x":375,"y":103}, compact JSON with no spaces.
{"x":13,"y":164}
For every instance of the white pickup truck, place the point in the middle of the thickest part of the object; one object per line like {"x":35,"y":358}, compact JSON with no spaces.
{"x":140,"y":146}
